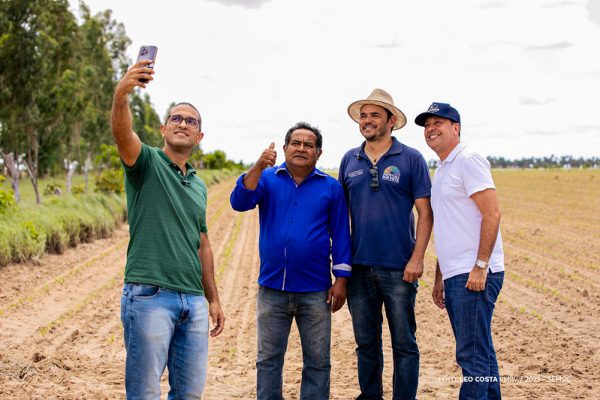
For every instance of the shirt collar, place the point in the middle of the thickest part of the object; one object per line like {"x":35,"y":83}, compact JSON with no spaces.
{"x":188,"y":167}
{"x":457,"y":149}
{"x":396,"y":148}
{"x":315,"y":171}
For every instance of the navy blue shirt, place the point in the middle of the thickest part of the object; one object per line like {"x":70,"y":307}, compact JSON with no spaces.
{"x":383,"y":225}
{"x":300,"y":227}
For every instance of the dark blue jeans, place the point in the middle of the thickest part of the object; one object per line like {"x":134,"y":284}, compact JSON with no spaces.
{"x":471,"y":318}
{"x":369,"y":289}
{"x":275,"y":310}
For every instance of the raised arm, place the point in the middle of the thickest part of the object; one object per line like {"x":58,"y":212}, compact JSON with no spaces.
{"x":267,"y":159}
{"x":247,"y":192}
{"x":128,"y":143}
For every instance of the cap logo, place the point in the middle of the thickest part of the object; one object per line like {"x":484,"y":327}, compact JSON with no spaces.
{"x":433,"y":108}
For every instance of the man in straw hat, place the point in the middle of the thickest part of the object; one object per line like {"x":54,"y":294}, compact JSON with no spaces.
{"x":383,"y":179}
{"x":470,"y":267}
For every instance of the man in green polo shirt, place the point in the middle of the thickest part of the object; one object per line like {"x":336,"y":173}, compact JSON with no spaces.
{"x":169,"y":276}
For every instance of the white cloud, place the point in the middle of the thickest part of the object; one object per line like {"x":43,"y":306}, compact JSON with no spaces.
{"x":242,"y":3}
{"x":514,"y":69}
{"x":593,"y":7}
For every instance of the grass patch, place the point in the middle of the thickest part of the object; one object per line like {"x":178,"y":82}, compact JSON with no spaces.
{"x":58,"y":223}
{"x":212,"y":176}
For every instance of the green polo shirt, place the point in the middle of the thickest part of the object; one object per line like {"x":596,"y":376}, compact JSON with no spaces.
{"x":166,"y":214}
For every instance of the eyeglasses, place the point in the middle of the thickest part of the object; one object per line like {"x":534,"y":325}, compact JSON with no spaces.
{"x":176,"y":119}
{"x":374,"y":178}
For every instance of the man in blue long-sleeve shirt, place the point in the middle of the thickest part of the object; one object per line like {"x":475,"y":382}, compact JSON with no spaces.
{"x":304,"y":229}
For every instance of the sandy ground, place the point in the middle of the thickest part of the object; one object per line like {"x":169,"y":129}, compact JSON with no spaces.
{"x":61,"y":337}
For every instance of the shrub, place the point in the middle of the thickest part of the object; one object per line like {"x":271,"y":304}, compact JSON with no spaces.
{"x":78,"y":189}
{"x":58,"y":223}
{"x":110,"y":181}
{"x":7,"y":198}
{"x":53,"y":188}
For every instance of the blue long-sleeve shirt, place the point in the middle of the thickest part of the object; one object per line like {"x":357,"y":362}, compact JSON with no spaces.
{"x":301,"y":226}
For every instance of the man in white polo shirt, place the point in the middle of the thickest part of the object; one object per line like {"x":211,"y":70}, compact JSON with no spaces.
{"x":470,"y":266}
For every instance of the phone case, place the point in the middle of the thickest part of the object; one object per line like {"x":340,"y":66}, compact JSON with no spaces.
{"x":147,"y":53}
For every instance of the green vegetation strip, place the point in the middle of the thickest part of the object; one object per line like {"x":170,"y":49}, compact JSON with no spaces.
{"x":217,"y":214}
{"x":522,"y":309}
{"x":45,"y":288}
{"x":536,"y":285}
{"x":61,"y":222}
{"x":228,"y":250}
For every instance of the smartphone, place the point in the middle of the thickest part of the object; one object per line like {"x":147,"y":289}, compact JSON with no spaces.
{"x":147,"y":53}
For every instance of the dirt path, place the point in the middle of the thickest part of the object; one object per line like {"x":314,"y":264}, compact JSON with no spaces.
{"x":61,"y":338}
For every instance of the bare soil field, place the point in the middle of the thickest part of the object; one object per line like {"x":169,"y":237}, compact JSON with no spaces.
{"x":61,"y":337}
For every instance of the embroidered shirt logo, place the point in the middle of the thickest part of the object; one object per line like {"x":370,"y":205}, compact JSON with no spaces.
{"x":355,"y":173}
{"x":433,"y":108}
{"x":391,"y":174}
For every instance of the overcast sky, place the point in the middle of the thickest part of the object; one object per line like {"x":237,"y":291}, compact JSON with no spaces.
{"x":524,"y":75}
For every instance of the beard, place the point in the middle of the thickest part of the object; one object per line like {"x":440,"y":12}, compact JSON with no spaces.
{"x":375,"y":135}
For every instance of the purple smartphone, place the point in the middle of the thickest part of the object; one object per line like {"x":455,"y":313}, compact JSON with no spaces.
{"x":147,"y":53}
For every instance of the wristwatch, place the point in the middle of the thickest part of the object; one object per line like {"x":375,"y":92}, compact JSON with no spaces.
{"x":481,"y":264}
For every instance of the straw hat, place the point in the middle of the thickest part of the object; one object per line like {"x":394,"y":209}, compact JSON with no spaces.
{"x":380,"y":98}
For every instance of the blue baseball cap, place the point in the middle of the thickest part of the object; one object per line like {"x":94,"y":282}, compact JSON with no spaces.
{"x":443,"y":110}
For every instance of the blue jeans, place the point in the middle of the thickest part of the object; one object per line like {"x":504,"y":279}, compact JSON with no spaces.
{"x":275,"y":310}
{"x":471,"y":319}
{"x":162,"y":328}
{"x":368,"y":289}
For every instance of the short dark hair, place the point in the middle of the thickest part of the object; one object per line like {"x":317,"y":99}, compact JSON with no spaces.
{"x":388,"y":112}
{"x":307,"y":126}
{"x":183,"y":103}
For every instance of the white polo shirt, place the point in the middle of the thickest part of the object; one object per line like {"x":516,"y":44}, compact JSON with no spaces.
{"x":456,"y":218}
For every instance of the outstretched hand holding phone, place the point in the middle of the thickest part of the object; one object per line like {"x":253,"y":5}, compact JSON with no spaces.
{"x":138,"y":75}
{"x":147,"y":53}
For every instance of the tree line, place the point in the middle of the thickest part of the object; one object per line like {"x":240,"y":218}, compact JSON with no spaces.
{"x":57,"y":78}
{"x":551,"y":161}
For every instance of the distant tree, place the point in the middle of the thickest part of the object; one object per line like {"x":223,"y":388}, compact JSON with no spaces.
{"x":218,"y":160}
{"x":102,"y":60}
{"x":551,"y":161}
{"x":196,"y":158}
{"x":215,"y":160}
{"x":36,"y":53}
{"x":57,"y":77}
{"x":146,"y":122}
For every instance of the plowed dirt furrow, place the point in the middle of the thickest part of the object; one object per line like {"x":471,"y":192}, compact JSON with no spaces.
{"x":61,"y":336}
{"x":539,"y":263}
{"x":231,"y":356}
{"x":25,"y":282}
{"x":55,"y":301}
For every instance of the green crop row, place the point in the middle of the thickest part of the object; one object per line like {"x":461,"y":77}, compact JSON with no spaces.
{"x":58,"y":223}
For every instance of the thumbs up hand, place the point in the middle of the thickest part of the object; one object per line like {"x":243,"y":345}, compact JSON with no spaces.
{"x":268,"y":157}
